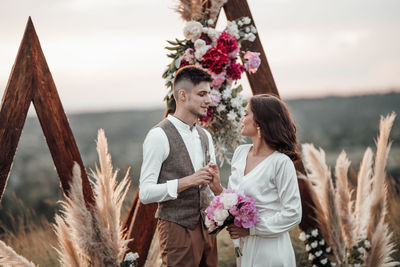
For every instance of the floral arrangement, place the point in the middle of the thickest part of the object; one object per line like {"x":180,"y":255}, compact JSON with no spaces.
{"x":317,"y":248}
{"x":217,"y":52}
{"x":130,"y":260}
{"x":231,"y":208}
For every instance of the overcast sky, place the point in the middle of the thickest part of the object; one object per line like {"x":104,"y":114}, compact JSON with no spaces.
{"x":110,"y":54}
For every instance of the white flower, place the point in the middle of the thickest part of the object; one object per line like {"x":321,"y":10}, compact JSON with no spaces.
{"x":246,"y":20}
{"x":227,"y":93}
{"x":240,"y":23}
{"x":253,"y":29}
{"x":178,"y":62}
{"x":209,"y":224}
{"x":220,"y":108}
{"x":210,"y":22}
{"x":199,"y":44}
{"x":229,"y":200}
{"x":192,"y":30}
{"x":251,"y":37}
{"x":220,"y":215}
{"x":356,"y":265}
{"x":361,"y":250}
{"x":302,"y":236}
{"x":314,"y":233}
{"x":199,"y":53}
{"x":322,"y":242}
{"x":237,"y":101}
{"x":241,"y":111}
{"x":232,"y":29}
{"x":314,"y":244}
{"x":231,"y":115}
{"x":333,"y":264}
{"x":247,"y":29}
{"x":318,"y":253}
{"x":308,"y":236}
{"x":367,"y":244}
{"x":213,"y":35}
{"x":328,"y":250}
{"x":131,"y":256}
{"x":324,"y":261}
{"x":311,"y":257}
{"x":308,"y":248}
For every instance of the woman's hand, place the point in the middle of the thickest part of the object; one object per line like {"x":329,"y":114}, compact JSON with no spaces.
{"x":237,"y":232}
{"x":215,"y":184}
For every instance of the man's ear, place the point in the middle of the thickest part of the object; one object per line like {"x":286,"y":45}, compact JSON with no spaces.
{"x":182,"y":95}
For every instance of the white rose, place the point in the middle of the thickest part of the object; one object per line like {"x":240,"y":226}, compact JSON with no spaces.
{"x":209,"y":224}
{"x":314,"y":233}
{"x":302,"y":236}
{"x":324,"y":261}
{"x":221,"y":108}
{"x":229,"y":200}
{"x":314,"y":244}
{"x":213,"y":35}
{"x":210,"y":22}
{"x":199,"y":53}
{"x":199,"y":44}
{"x":231,"y":115}
{"x":220,"y":215}
{"x":192,"y":30}
{"x":308,"y":236}
{"x":242,"y":111}
{"x":131,"y":256}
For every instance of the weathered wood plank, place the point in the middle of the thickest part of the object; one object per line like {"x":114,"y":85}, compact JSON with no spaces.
{"x":31,"y":80}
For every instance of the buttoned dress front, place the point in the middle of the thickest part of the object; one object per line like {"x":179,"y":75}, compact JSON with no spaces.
{"x":273,"y":183}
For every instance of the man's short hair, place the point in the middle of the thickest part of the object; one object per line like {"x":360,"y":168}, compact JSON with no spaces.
{"x":192,"y":74}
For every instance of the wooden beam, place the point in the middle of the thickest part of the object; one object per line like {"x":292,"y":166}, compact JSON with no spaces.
{"x":31,"y":80}
{"x":262,"y":81}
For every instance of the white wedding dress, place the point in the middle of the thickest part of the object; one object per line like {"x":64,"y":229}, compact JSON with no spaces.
{"x":273,"y":183}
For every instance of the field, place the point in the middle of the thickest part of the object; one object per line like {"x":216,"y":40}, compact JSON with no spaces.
{"x":30,"y":200}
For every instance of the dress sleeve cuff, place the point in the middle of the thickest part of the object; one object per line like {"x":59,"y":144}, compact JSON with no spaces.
{"x":252,"y":230}
{"x":172,"y":188}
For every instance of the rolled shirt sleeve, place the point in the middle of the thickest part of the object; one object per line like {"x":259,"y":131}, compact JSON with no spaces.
{"x":290,"y":214}
{"x":155,"y":151}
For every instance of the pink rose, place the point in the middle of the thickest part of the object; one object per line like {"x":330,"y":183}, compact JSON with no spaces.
{"x":253,"y":61}
{"x":218,"y":79}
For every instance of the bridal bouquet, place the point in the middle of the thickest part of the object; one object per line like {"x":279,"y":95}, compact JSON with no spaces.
{"x":218,"y":52}
{"x":228,"y":208}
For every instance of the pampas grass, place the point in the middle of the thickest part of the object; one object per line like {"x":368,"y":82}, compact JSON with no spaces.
{"x":199,"y":9}
{"x":342,"y":224}
{"x":8,"y":257}
{"x":92,"y":236}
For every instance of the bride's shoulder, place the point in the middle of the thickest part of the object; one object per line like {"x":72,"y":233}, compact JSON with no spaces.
{"x":240,"y":150}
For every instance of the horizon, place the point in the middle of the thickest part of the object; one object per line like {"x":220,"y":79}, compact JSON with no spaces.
{"x":102,"y":56}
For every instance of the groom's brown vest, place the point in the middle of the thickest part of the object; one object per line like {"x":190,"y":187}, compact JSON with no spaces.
{"x":185,"y":210}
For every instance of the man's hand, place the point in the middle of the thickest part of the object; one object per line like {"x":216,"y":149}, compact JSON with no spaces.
{"x":237,"y":232}
{"x":202,"y":176}
{"x":215,"y":184}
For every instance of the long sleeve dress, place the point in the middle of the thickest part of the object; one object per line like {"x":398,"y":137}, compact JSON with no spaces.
{"x":273,"y":183}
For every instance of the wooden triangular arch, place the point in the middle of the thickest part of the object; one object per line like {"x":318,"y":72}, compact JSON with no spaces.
{"x":141,"y":224}
{"x":31,"y":81}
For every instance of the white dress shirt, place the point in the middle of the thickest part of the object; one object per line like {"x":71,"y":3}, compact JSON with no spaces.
{"x":156,"y":151}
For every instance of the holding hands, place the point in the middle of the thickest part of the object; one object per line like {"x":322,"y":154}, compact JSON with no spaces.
{"x":206,"y":175}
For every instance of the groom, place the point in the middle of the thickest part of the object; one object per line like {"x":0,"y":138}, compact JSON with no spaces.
{"x":178,"y":172}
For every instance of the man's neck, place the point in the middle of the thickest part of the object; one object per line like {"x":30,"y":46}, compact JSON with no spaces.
{"x":186,"y":118}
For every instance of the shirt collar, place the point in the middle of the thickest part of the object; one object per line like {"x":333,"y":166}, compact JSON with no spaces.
{"x":180,"y":125}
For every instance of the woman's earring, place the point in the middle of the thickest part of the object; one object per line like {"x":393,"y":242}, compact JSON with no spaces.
{"x":259,"y":132}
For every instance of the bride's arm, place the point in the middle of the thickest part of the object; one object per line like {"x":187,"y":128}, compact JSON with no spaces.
{"x":290,"y":214}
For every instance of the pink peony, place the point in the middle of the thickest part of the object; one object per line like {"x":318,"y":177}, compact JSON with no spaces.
{"x":234,"y":71}
{"x":215,"y":60}
{"x":189,"y":55}
{"x":234,"y":211}
{"x":253,"y":61}
{"x":227,"y":43}
{"x":218,"y":79}
{"x":248,"y":214}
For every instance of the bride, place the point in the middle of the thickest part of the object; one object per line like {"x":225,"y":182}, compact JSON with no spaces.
{"x":264,"y":170}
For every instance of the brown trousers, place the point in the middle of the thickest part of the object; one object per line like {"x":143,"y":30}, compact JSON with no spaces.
{"x":183,"y":247}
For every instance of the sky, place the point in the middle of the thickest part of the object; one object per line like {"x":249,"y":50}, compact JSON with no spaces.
{"x":109,"y":55}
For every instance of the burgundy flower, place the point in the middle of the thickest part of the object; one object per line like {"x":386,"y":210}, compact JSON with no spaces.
{"x":184,"y":63}
{"x":215,"y":60}
{"x":227,"y":43}
{"x":206,"y":38}
{"x":234,"y":71}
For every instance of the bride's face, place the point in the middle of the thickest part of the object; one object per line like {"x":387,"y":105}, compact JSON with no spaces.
{"x":248,"y":127}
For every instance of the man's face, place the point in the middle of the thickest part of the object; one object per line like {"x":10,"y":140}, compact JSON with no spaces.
{"x":199,"y":99}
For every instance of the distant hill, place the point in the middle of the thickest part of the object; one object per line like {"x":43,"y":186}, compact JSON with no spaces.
{"x":333,"y":123}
